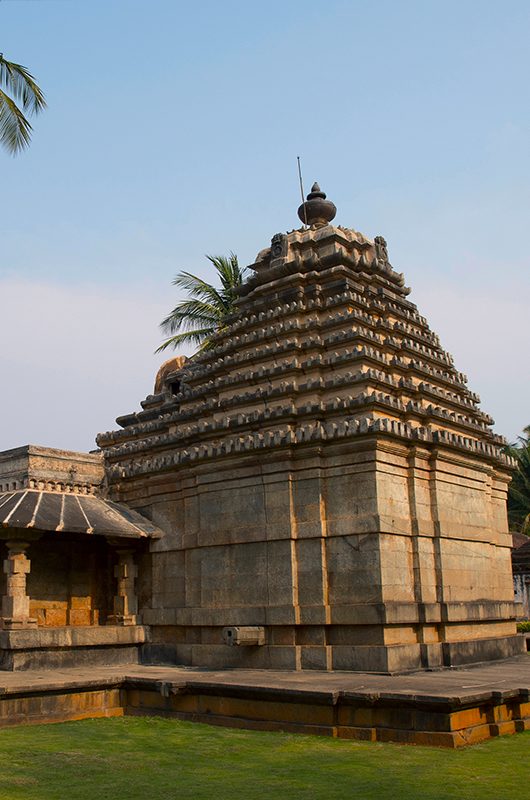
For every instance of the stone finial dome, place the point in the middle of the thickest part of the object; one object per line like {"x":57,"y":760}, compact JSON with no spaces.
{"x":171,"y":365}
{"x":317,"y":210}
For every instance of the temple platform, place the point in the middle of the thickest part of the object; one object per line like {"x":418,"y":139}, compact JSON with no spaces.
{"x":447,"y":708}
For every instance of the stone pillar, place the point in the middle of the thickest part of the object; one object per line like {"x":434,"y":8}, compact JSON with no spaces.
{"x":125,"y":605}
{"x":15,"y":603}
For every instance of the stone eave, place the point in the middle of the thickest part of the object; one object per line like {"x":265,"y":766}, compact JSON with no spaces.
{"x":123,"y":466}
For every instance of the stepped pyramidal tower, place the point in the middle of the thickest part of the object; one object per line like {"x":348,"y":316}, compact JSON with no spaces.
{"x":331,"y":495}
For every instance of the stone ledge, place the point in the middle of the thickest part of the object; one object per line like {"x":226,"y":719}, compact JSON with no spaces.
{"x":347,"y":614}
{"x":479,"y":651}
{"x":64,"y":637}
{"x":452,"y":709}
{"x":292,"y":436}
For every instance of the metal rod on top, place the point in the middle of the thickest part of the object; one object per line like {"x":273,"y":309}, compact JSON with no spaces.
{"x":302,"y":188}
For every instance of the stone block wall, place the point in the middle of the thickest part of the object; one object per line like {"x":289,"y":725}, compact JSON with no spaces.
{"x":344,"y":555}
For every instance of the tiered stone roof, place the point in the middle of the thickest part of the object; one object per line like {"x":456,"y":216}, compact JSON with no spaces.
{"x":325,"y":345}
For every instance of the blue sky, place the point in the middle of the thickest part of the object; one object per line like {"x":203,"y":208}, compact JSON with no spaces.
{"x":172,"y":131}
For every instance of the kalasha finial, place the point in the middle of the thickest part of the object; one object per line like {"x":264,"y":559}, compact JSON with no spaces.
{"x":317,"y":210}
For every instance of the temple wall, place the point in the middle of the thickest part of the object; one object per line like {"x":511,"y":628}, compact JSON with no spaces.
{"x":354,"y":557}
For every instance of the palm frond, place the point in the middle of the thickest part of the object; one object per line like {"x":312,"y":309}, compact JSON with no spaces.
{"x":197,"y":287}
{"x":15,"y":130}
{"x":230,"y":274}
{"x":188,"y":314}
{"x":22,"y":85}
{"x":199,"y":318}
{"x":199,"y":337}
{"x":21,"y":89}
{"x":519,"y":488}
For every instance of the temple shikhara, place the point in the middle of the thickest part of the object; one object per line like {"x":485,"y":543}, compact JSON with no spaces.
{"x":318,"y":490}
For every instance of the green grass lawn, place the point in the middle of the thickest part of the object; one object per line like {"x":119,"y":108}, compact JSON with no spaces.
{"x":152,"y":758}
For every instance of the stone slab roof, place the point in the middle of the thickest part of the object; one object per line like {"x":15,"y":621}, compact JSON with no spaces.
{"x":50,"y":511}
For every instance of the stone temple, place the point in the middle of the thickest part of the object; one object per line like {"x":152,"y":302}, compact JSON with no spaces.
{"x":318,"y":490}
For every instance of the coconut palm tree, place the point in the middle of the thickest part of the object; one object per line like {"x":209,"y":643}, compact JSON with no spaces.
{"x":519,"y":488}
{"x":20,"y":86}
{"x":195,"y":320}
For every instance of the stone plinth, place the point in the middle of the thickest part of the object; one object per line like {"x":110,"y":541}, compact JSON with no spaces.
{"x":63,"y":647}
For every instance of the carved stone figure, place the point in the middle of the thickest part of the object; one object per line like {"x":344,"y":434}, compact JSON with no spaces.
{"x":278,"y":246}
{"x":381,"y":250}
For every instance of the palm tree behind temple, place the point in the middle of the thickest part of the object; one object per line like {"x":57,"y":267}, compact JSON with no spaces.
{"x":195,"y":320}
{"x":519,"y":488}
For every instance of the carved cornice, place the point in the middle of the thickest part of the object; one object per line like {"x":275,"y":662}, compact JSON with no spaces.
{"x":289,"y":436}
{"x":41,"y":485}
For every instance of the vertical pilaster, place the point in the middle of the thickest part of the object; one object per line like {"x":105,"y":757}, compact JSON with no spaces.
{"x":125,"y":603}
{"x":15,"y":603}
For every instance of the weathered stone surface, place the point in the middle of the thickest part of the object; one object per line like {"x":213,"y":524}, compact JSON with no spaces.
{"x":45,"y":468}
{"x":322,"y":471}
{"x":68,"y":636}
{"x":64,"y":557}
{"x":54,"y":510}
{"x":60,"y":647}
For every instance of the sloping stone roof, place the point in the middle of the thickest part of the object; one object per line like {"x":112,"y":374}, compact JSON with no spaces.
{"x":72,"y":513}
{"x":324,"y":346}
